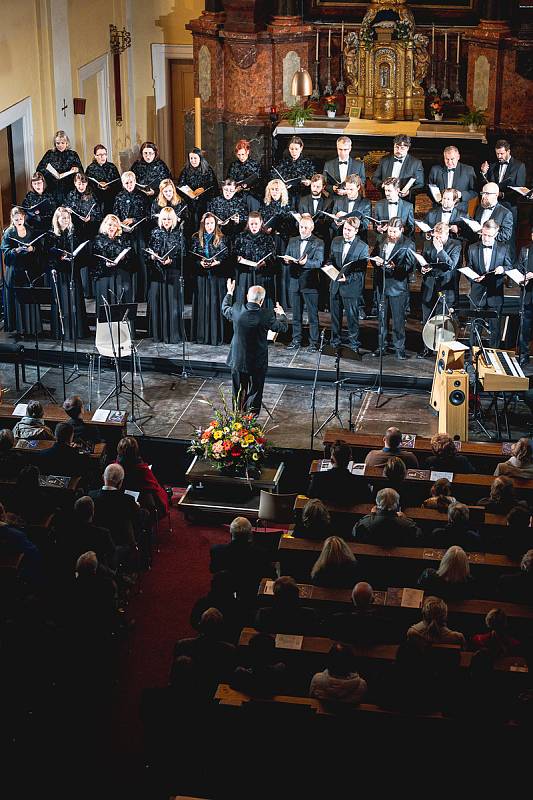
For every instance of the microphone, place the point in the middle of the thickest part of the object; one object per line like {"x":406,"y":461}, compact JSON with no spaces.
{"x":54,"y":275}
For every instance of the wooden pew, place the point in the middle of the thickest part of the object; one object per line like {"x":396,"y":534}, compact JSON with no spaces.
{"x":59,"y":496}
{"x":483,"y":455}
{"x":26,"y":449}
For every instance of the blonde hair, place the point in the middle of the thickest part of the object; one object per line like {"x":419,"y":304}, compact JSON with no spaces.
{"x":55,"y":220}
{"x":454,"y":566}
{"x":335,"y":552}
{"x":161,"y":200}
{"x":170,"y":213}
{"x":16,"y":210}
{"x":105,"y":224}
{"x":128,"y":174}
{"x":61,"y":135}
{"x":435,"y":615}
{"x":284,"y":192}
{"x":521,"y":450}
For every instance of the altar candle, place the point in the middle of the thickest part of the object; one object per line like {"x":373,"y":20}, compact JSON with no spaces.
{"x":458,"y":46}
{"x":316,"y":54}
{"x":342,"y":37}
{"x":329,"y":43}
{"x":432,"y":38}
{"x":446,"y":45}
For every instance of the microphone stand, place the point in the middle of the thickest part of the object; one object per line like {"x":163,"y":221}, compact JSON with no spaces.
{"x":313,"y":392}
{"x":118,"y":379}
{"x":477,"y":414}
{"x":62,"y":331}
{"x":521,"y":318}
{"x":185,"y":373}
{"x":75,"y":372}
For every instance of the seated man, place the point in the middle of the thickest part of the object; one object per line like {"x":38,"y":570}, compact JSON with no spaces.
{"x":119,"y":513}
{"x":245,"y":562}
{"x":457,"y":531}
{"x":387,"y":525}
{"x":445,"y":456}
{"x":365,"y":623}
{"x":14,"y":542}
{"x":83,"y":432}
{"x":287,"y":615}
{"x":84,"y":535}
{"x":32,"y":425}
{"x":10,"y":459}
{"x":392,"y":443}
{"x":338,"y":486}
{"x":62,"y":458}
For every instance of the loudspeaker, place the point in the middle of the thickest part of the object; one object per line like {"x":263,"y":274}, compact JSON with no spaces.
{"x":450,"y":356}
{"x":453,"y":411}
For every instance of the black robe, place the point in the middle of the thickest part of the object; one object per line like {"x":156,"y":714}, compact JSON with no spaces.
{"x":251,"y":172}
{"x":135,"y":205}
{"x":290,"y":170}
{"x":164,"y":299}
{"x":40,"y":218}
{"x":254,"y":246}
{"x":105,"y":173}
{"x":208,"y":324}
{"x":113,"y":283}
{"x":196,"y":179}
{"x":18,"y":268}
{"x":223,"y":209}
{"x":150,"y":175}
{"x":72,"y":304}
{"x":62,"y":162}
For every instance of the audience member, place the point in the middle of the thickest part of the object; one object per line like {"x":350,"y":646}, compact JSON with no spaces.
{"x":94,"y":600}
{"x":441,"y":496}
{"x":84,"y":535}
{"x":316,"y":521}
{"x":336,"y":567}
{"x":245,"y":562}
{"x":452,"y":580}
{"x":446,"y":457}
{"x":10,"y":459}
{"x":266,"y":675}
{"x":83,"y":433}
{"x":120,"y":514}
{"x":392,"y":442}
{"x":138,"y":477}
{"x":366,"y":624}
{"x":432,"y":629}
{"x":518,"y":586}
{"x":221,"y":596}
{"x":517,"y":537}
{"x":497,"y":640}
{"x":520,"y":465}
{"x":14,"y":542}
{"x":395,"y":473}
{"x":387,"y":525}
{"x":30,"y":501}
{"x":339,"y":681}
{"x":32,"y":425}
{"x":62,"y":458}
{"x":213,"y":658}
{"x":456,"y":531}
{"x":338,"y":486}
{"x":287,"y":615}
{"x":502,"y":497}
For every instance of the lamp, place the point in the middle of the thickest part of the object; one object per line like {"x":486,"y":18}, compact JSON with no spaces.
{"x":302,"y":85}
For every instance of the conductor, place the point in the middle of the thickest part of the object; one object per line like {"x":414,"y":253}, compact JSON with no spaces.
{"x":248,"y":355}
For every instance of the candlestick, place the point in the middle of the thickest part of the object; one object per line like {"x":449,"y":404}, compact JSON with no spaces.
{"x":329,"y":43}
{"x":432,"y":38}
{"x":446,"y":45}
{"x":342,"y":37}
{"x":458,"y":46}
{"x":316,"y":54}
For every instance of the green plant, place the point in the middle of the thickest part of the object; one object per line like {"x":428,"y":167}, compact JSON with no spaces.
{"x":297,"y":114}
{"x":330,"y":103}
{"x":472,"y":117}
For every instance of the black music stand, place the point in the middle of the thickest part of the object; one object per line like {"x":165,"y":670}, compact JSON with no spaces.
{"x":39,"y":296}
{"x":337,"y":352}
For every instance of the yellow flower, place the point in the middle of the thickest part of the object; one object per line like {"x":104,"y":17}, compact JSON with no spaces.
{"x":255,"y":456}
{"x":244,"y":444}
{"x":226,"y":429}
{"x":249,"y":439}
{"x":218,"y":435}
{"x":237,"y":426}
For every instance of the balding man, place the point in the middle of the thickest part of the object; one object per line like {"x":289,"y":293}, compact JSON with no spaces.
{"x":119,"y":513}
{"x":392,"y":442}
{"x":305,"y":256}
{"x":387,"y":525}
{"x":489,"y":208}
{"x":454,"y":175}
{"x":248,"y":355}
{"x":245,"y":562}
{"x":365,"y":624}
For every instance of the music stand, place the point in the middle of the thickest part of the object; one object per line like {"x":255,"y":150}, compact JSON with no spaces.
{"x":39,"y":296}
{"x":338,"y":352}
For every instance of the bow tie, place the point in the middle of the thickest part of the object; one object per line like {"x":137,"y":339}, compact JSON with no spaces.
{"x":393,"y":202}
{"x":502,"y":163}
{"x":487,"y":247}
{"x":450,"y":169}
{"x":348,"y":241}
{"x":342,"y":162}
{"x":399,"y":160}
{"x":306,"y":239}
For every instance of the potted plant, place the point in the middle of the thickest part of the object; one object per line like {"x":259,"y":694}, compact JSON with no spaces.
{"x":330,"y":106}
{"x":298,"y":114}
{"x":473,"y":119}
{"x":436,"y":107}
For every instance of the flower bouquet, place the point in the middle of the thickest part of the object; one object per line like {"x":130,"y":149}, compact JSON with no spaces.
{"x":436,"y":107}
{"x":234,"y":441}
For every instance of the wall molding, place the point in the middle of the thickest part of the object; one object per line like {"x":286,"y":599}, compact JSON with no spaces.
{"x":22,"y":110}
{"x":99,"y":67}
{"x":161,"y":55}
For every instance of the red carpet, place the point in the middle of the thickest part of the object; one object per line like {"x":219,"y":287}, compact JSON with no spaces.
{"x":179,"y":576}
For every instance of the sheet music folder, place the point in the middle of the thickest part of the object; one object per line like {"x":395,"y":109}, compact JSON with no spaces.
{"x":38,"y":295}
{"x":118,"y":312}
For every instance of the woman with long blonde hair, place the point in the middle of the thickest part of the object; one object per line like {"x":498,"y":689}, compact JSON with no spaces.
{"x":336,"y":566}
{"x":164,"y":297}
{"x":452,"y":579}
{"x":211,"y":251}
{"x":64,"y":161}
{"x":112,"y":280}
{"x":61,"y":243}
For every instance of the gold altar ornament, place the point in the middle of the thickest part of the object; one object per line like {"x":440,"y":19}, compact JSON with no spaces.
{"x":385,"y":64}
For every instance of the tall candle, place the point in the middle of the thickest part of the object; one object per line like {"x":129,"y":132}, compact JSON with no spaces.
{"x":458,"y":46}
{"x":446,"y":45}
{"x":432,"y":38}
{"x":342,"y":37}
{"x":329,"y":43}
{"x":316,"y":54}
{"x":197,"y":122}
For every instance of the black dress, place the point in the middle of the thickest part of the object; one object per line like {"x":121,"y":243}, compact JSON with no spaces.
{"x":164,"y":296}
{"x":134,"y":205}
{"x":251,"y":173}
{"x":254,"y":246}
{"x":62,"y":162}
{"x":196,"y":179}
{"x":105,"y":173}
{"x":292,"y":171}
{"x":113,"y":283}
{"x":18,"y":267}
{"x":39,"y":210}
{"x":208,"y":324}
{"x":72,"y":312}
{"x":149,"y":176}
{"x":224,"y":209}
{"x":283,"y":224}
{"x":84,"y":204}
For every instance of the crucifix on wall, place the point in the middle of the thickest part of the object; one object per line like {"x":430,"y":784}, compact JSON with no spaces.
{"x":64,"y":107}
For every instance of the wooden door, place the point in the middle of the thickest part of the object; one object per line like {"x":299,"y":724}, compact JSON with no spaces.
{"x":182,"y":100}
{"x":7,"y":199}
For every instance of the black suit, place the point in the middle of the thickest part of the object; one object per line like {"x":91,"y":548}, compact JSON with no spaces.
{"x":441,"y":278}
{"x":525,"y":265}
{"x":500,"y":215}
{"x":248,"y":355}
{"x":357,"y":208}
{"x":434,"y":216}
{"x":307,"y":205}
{"x":246,"y":563}
{"x":338,"y":487}
{"x":489,"y":292}
{"x":61,"y":459}
{"x":120,"y":514}
{"x":332,"y":170}
{"x":347,"y":293}
{"x":405,"y":212}
{"x":411,"y":168}
{"x":303,"y":285}
{"x":464,"y":179}
{"x":395,"y":292}
{"x":515,"y":175}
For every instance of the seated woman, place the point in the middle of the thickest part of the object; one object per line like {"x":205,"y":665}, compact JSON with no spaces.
{"x":502,"y":497}
{"x":339,"y":681}
{"x":452,"y":580}
{"x":432,"y":629}
{"x":315,"y":523}
{"x":83,"y":433}
{"x":138,"y":476}
{"x":395,"y":473}
{"x":441,"y":496}
{"x":520,"y":465}
{"x":336,"y":567}
{"x":265,"y":675}
{"x":30,"y":501}
{"x":497,"y":640}
{"x":32,"y":425}
{"x":445,"y":456}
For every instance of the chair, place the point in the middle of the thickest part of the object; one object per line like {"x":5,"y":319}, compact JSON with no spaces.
{"x":276,"y":508}
{"x":104,"y":345}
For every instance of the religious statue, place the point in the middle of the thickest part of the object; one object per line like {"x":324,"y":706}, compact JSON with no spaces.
{"x":386,"y":63}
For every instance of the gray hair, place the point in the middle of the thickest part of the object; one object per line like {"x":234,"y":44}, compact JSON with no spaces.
{"x":87,"y":563}
{"x":256,"y":294}
{"x":113,"y":475}
{"x":240,"y":528}
{"x":387,"y":500}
